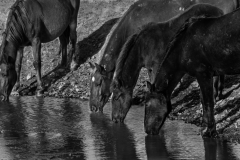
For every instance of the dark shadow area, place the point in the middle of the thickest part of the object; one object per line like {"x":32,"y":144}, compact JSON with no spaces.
{"x":116,"y":141}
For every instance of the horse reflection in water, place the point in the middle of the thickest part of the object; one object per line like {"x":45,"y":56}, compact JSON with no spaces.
{"x":139,"y":14}
{"x":201,"y":48}
{"x":13,"y":120}
{"x":177,"y":141}
{"x":32,"y":22}
{"x":36,"y":129}
{"x":116,"y":140}
{"x":53,"y":128}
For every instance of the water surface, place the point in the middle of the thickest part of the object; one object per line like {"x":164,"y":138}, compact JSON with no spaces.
{"x":50,"y":128}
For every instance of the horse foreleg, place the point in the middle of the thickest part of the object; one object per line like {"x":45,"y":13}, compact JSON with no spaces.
{"x":18,"y":66}
{"x":205,"y":81}
{"x":64,"y":40}
{"x":218,"y":82}
{"x":36,"y":43}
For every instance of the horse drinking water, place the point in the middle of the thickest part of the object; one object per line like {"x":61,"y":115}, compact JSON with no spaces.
{"x":32,"y":22}
{"x":146,"y":49}
{"x":140,"y":13}
{"x":202,"y":48}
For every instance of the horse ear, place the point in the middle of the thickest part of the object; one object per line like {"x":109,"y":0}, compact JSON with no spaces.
{"x":150,"y":87}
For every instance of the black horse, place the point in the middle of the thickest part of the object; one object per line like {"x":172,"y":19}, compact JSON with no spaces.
{"x":202,"y":48}
{"x":146,"y":49}
{"x":140,"y":13}
{"x":32,"y":22}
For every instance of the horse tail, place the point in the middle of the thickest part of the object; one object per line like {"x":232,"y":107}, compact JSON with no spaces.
{"x":5,"y":33}
{"x":123,"y":56}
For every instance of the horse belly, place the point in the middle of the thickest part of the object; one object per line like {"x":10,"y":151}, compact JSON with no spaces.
{"x":56,"y":18}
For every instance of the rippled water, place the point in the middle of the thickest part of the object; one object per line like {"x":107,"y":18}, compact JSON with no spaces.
{"x":49,"y":128}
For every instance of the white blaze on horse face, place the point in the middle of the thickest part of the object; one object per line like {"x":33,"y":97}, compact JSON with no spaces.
{"x":93,"y":79}
{"x":181,"y":9}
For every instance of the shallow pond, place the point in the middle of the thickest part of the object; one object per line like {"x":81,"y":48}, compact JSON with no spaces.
{"x":50,"y":128}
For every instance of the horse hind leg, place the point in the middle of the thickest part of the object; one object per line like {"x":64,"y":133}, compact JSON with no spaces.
{"x":64,"y":40}
{"x":218,"y":83}
{"x":18,"y":66}
{"x":73,"y":38}
{"x":205,"y":81}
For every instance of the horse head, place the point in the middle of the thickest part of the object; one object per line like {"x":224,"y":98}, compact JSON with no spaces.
{"x":155,"y":110}
{"x":121,"y":100}
{"x":99,"y":87}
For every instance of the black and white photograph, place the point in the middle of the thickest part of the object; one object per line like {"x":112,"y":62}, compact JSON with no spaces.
{"x":119,"y":79}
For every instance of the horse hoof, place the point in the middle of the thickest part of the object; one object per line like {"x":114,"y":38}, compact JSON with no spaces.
{"x":15,"y":93}
{"x":206,"y":133}
{"x":39,"y":94}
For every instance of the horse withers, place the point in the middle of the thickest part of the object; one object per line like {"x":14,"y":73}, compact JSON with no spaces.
{"x":202,"y":48}
{"x":146,"y":49}
{"x":140,"y":13}
{"x":32,"y":22}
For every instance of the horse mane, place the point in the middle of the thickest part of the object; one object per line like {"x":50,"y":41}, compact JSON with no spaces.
{"x":13,"y":24}
{"x":102,"y":50}
{"x":125,"y":51}
{"x":173,"y":42}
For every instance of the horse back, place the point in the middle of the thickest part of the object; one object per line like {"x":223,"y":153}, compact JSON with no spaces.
{"x":211,"y":43}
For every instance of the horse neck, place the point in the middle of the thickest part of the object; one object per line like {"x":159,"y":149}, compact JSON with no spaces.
{"x":116,"y":38}
{"x":130,"y":70}
{"x":169,"y":66}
